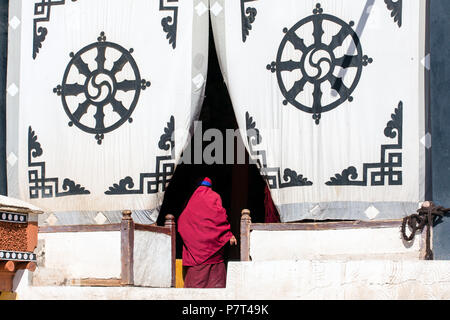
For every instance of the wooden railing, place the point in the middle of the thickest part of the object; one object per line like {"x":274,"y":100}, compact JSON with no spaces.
{"x":127,"y":228}
{"x":247,"y":227}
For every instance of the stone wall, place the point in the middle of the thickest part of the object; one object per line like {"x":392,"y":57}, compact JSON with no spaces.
{"x":288,"y":280}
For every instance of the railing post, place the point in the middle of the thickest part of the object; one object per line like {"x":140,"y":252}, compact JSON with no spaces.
{"x":246,"y":222}
{"x":171,"y":224}
{"x":127,"y":248}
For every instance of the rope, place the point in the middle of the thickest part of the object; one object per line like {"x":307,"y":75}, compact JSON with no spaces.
{"x":425,"y":216}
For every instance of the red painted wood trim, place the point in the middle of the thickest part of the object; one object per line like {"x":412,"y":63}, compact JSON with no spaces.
{"x":7,"y":266}
{"x":31,"y":266}
{"x":6,"y":281}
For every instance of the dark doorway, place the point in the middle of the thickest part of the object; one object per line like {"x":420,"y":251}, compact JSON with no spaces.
{"x":240,"y":186}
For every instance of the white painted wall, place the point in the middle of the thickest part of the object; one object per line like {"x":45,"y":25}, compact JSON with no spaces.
{"x":64,"y":258}
{"x":152,"y":259}
{"x":78,"y":255}
{"x":353,"y":244}
{"x":285,"y":280}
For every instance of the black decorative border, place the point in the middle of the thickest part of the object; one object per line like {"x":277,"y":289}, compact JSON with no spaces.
{"x":165,"y":168}
{"x":13,"y":217}
{"x":169,"y":24}
{"x":40,"y":33}
{"x":42,"y":186}
{"x":248,"y":16}
{"x":396,"y":9}
{"x":394,"y":129}
{"x":271,"y":175}
{"x":17,"y":256}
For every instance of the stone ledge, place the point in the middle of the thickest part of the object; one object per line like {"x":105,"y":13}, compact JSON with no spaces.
{"x":288,"y":280}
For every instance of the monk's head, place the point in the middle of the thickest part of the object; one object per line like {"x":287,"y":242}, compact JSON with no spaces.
{"x":206,"y":182}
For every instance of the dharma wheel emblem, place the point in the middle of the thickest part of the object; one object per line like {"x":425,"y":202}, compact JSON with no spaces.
{"x":99,"y":99}
{"x":332,"y":69}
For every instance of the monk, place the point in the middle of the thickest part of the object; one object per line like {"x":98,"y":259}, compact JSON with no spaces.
{"x":204,"y":228}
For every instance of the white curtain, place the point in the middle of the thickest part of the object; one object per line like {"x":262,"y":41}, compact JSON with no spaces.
{"x":332,"y":95}
{"x":97,"y":88}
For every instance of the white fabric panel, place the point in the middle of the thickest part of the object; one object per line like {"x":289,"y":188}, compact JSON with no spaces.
{"x":102,"y":85}
{"x":332,"y":96}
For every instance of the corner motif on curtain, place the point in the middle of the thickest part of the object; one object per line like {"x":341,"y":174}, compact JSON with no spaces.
{"x":391,"y":160}
{"x":248,"y":16}
{"x":272,"y":175}
{"x":319,"y":64}
{"x":39,"y":185}
{"x":152,"y":183}
{"x":105,"y":85}
{"x":42,"y":13}
{"x":170,"y":23}
{"x":396,"y":8}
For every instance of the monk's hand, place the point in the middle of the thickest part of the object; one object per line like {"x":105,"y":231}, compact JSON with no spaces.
{"x":233,"y":241}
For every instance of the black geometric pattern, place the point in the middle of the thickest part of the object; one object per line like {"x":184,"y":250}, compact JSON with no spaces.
{"x":248,"y":16}
{"x":152,"y":183}
{"x":272,"y":175}
{"x":17,"y":256}
{"x":104,"y":82}
{"x":396,"y":8}
{"x":42,"y":9}
{"x":321,"y":58}
{"x":170,"y":23}
{"x":13,"y":217}
{"x":391,"y":160}
{"x":39,"y":185}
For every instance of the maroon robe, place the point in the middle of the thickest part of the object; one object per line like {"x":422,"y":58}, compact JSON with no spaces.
{"x":271,"y":212}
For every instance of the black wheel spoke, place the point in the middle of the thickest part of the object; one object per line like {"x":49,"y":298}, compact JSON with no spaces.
{"x":288,"y":65}
{"x":318,"y":31}
{"x":296,"y":89}
{"x":100,"y":118}
{"x":339,"y":38}
{"x":82,"y":67}
{"x":317,"y":97}
{"x":119,"y":108}
{"x":81,"y":110}
{"x":348,"y":62}
{"x":128,"y":85}
{"x":73,"y":89}
{"x":101,"y":58}
{"x":338,"y":85}
{"x":297,"y":42}
{"x":119,"y":64}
